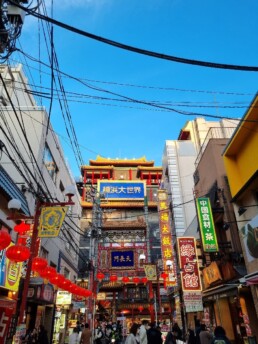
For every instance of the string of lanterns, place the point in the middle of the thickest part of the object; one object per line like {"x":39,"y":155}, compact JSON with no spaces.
{"x":125,"y":279}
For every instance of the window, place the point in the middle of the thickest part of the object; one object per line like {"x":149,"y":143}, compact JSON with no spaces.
{"x":50,"y":163}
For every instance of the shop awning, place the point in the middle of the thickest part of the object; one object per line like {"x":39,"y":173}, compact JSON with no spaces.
{"x":223,"y":290}
{"x":252,"y":278}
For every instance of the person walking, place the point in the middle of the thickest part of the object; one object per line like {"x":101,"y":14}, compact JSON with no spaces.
{"x":220,"y":336}
{"x":177,"y":332}
{"x":86,"y":335}
{"x":131,"y":338}
{"x":143,"y":332}
{"x":74,"y":336}
{"x":205,"y":335}
{"x":154,"y":335}
{"x":42,"y":335}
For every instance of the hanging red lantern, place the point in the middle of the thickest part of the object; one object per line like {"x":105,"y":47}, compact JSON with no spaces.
{"x":38,"y":264}
{"x":65,"y":284}
{"x":87,"y":292}
{"x":136,"y":280}
{"x":22,"y":228}
{"x":57,"y":279}
{"x":5,"y":239}
{"x":125,"y":279}
{"x":140,"y":308}
{"x":17,"y":253}
{"x":113,"y":278}
{"x":100,"y":276}
{"x":164,"y":275}
{"x":144,"y":280}
{"x":48,"y":272}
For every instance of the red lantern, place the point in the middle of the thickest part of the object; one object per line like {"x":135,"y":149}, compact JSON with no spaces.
{"x":22,"y":228}
{"x":65,"y":284}
{"x":100,"y":276}
{"x":17,"y":253}
{"x":144,"y":280}
{"x":113,"y":278}
{"x":57,"y":279}
{"x":38,"y":264}
{"x":126,"y":279}
{"x":140,"y":308}
{"x":5,"y":239}
{"x":48,"y":272}
{"x":164,"y":275}
{"x":136,"y":280}
{"x":87,"y":292}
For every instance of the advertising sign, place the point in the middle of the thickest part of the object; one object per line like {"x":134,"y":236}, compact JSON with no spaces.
{"x":122,"y":190}
{"x":193,"y":302}
{"x":50,"y":221}
{"x":63,"y":297}
{"x":10,"y":272}
{"x":122,"y":259}
{"x":208,"y":233}
{"x":190,"y":276}
{"x":150,"y":272}
{"x":166,"y":236}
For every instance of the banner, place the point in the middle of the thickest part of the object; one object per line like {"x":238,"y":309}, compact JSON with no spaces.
{"x":166,"y":237}
{"x":150,"y":272}
{"x":189,"y":270}
{"x":208,"y":233}
{"x":50,"y":221}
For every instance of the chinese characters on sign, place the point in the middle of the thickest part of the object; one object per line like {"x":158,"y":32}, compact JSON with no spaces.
{"x":122,"y":259}
{"x":122,"y":190}
{"x":166,"y":236}
{"x":188,"y":264}
{"x":209,"y":238}
{"x":50,"y":221}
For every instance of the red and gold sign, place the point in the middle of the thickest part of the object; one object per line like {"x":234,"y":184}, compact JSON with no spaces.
{"x":190,"y":276}
{"x":166,"y":236}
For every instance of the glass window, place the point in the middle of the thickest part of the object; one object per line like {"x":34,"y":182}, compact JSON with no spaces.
{"x":50,"y":163}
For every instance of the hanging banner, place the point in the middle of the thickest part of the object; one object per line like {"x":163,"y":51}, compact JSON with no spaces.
{"x":208,"y":233}
{"x":166,"y":237}
{"x":50,"y":221}
{"x":150,"y":272}
{"x":10,"y":272}
{"x":189,"y":270}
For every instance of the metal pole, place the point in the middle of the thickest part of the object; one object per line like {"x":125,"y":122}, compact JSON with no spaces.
{"x":33,"y":254}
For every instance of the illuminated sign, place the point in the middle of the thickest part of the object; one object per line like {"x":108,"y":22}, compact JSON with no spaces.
{"x":10,"y":272}
{"x":117,"y":190}
{"x":189,"y":271}
{"x":122,"y":259}
{"x":63,"y":297}
{"x":166,"y":236}
{"x":209,"y":238}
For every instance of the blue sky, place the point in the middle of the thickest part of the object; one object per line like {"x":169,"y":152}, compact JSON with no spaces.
{"x":216,"y":31}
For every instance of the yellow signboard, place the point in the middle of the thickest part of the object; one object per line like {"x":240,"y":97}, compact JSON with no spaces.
{"x":150,"y":272}
{"x":50,"y":221}
{"x":12,"y":274}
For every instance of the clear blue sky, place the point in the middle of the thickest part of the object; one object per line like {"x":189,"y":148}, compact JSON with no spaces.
{"x":215,"y":30}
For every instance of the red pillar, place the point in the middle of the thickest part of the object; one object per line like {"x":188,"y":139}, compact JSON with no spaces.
{"x":151,"y":306}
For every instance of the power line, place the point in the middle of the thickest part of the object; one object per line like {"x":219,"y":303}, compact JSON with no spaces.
{"x":138,"y":50}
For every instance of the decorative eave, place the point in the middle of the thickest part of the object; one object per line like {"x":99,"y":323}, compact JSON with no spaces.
{"x":121,"y":162}
{"x":96,"y":168}
{"x":123,"y":224}
{"x":114,"y":204}
{"x":151,"y":169}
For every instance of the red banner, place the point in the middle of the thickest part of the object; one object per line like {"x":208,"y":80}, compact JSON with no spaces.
{"x":189,"y":271}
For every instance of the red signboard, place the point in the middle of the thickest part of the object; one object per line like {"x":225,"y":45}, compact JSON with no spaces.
{"x":5,"y":319}
{"x":190,"y":276}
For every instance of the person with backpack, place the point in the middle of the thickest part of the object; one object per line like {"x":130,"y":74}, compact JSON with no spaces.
{"x":220,"y":336}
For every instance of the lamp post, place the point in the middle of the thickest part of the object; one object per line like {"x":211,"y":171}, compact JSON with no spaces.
{"x":15,"y":205}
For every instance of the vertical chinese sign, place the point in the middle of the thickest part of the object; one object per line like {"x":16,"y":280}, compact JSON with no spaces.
{"x":190,"y":276}
{"x":209,"y":238}
{"x":166,"y":236}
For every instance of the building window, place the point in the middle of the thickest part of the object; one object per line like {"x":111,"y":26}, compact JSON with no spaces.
{"x":50,"y":163}
{"x":43,"y":253}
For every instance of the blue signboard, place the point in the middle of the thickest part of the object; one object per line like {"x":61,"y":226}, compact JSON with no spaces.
{"x":2,"y":267}
{"x":122,"y":190}
{"x":122,"y":259}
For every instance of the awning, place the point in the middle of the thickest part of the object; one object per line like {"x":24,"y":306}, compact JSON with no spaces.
{"x":11,"y":189}
{"x":252,"y":278}
{"x":223,"y":290}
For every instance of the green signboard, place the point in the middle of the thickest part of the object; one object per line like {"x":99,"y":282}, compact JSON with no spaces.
{"x":209,"y":238}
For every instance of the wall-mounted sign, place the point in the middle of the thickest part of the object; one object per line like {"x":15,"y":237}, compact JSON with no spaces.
{"x":122,"y":259}
{"x":150,"y":272}
{"x":166,"y":237}
{"x":122,"y":190}
{"x":211,"y":274}
{"x":190,"y":275}
{"x":193,"y":302}
{"x":50,"y":221}
{"x":63,"y":297}
{"x":208,"y":233}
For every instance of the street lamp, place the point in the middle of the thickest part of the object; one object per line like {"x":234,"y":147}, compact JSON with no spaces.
{"x":15,"y":205}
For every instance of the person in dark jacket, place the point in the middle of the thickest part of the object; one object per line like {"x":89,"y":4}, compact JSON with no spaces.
{"x":220,"y":336}
{"x":154,"y":335}
{"x":177,"y":332}
{"x":42,"y":335}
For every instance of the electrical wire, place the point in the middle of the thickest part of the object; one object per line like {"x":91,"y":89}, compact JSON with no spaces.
{"x":138,"y":50}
